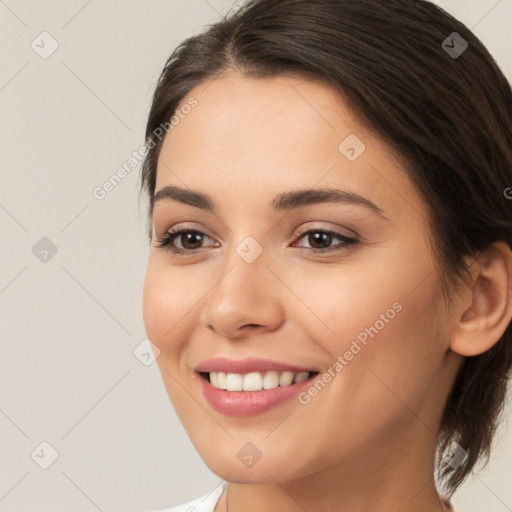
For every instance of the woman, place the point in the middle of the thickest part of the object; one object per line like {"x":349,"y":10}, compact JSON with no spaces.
{"x":329,"y":281}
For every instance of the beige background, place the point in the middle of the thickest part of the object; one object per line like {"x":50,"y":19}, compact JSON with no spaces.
{"x":68,"y":326}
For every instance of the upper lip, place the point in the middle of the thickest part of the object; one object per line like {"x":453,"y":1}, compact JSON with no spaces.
{"x":251,"y":364}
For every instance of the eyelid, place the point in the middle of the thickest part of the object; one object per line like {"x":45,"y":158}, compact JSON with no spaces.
{"x":313,"y":226}
{"x":185,"y":225}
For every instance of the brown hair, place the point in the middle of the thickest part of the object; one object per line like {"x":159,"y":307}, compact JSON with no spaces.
{"x":448,"y":116}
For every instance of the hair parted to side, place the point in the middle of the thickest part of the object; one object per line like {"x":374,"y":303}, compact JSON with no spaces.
{"x":450,"y":120}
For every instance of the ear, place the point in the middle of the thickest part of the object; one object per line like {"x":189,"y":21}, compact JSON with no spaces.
{"x":481,"y":324}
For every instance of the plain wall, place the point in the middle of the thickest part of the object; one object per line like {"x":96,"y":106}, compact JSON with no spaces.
{"x":69,"y":324}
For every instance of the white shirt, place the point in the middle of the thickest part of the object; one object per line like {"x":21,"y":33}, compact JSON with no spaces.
{"x":205,"y":503}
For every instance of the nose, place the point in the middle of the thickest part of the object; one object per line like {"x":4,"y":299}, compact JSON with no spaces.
{"x":246,"y":298}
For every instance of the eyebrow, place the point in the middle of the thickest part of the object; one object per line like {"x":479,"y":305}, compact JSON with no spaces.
{"x":282,"y":202}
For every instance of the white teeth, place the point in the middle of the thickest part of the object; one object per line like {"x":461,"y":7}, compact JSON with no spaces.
{"x":255,"y":381}
{"x":221,"y":380}
{"x":286,"y":378}
{"x":234,"y":382}
{"x":301,"y":377}
{"x":271,"y":380}
{"x":214,"y":379}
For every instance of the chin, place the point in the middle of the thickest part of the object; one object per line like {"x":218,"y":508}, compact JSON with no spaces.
{"x":235,"y":465}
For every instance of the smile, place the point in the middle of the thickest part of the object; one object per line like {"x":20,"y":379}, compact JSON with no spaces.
{"x":249,"y":387}
{"x":255,"y":381}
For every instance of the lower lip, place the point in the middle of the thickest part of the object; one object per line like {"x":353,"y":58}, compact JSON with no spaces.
{"x":249,"y":403}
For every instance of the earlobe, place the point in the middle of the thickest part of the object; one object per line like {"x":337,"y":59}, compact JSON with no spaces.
{"x":483,"y":322}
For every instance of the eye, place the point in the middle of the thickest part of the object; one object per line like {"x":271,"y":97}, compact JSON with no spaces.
{"x":189,"y":244}
{"x":320,"y":241}
{"x":191,"y":241}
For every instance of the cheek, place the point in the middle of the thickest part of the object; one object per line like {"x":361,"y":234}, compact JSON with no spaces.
{"x":152,"y":308}
{"x":163,"y":304}
{"x":393,"y":293}
{"x":349,"y":301}
{"x":168,"y":294}
{"x":164,"y":309}
{"x":383,"y":320}
{"x":389,"y":361}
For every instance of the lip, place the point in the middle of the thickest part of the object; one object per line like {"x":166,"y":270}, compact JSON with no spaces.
{"x":250,"y":364}
{"x":248,"y":403}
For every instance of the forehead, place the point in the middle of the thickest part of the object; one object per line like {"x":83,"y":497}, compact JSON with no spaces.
{"x":238,"y":116}
{"x":274,"y":134}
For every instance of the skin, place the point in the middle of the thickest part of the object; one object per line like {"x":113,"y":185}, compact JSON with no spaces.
{"x":365,"y":442}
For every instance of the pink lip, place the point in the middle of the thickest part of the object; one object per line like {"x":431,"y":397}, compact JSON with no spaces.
{"x":250,"y":364}
{"x":248,"y":403}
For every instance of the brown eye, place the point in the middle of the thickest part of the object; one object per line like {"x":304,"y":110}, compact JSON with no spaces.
{"x":320,"y":238}
{"x":190,"y":240}
{"x":320,"y":241}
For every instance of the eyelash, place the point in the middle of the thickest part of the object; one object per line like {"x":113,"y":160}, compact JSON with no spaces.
{"x":165,"y":241}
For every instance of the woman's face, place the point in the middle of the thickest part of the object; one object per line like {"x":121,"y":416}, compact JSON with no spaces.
{"x":253,"y":293}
